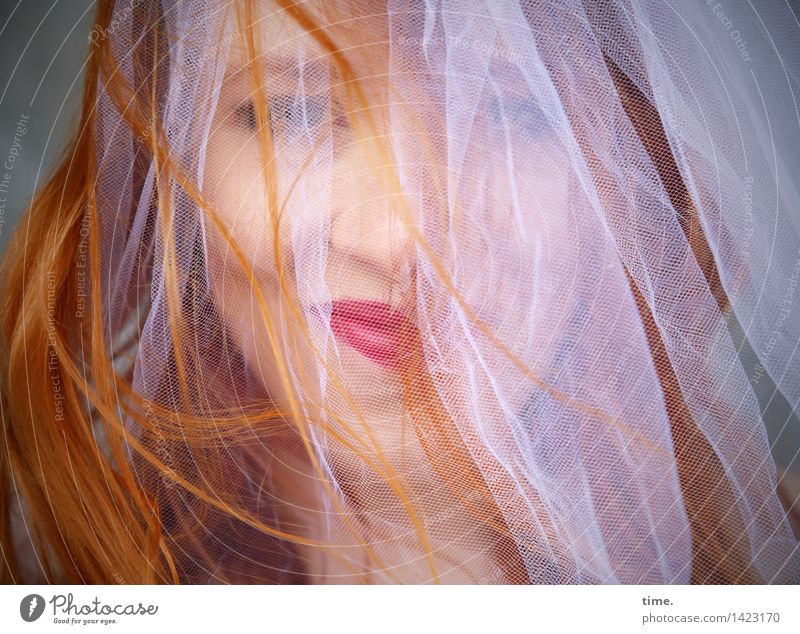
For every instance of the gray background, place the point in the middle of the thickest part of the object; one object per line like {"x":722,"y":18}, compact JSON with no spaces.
{"x":43,"y":45}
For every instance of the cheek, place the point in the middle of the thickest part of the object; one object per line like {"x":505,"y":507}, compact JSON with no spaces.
{"x":512,"y":218}
{"x":513,"y":274}
{"x":537,"y":188}
{"x":234,"y":187}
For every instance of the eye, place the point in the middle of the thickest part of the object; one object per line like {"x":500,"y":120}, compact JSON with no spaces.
{"x":287,"y":114}
{"x":524,"y":114}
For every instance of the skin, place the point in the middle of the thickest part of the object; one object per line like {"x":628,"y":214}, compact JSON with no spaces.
{"x":370,"y":256}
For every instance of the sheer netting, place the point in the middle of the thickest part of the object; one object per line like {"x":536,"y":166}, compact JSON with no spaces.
{"x":441,"y":291}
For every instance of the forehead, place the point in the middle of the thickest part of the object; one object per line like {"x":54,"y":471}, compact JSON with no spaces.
{"x":283,"y":38}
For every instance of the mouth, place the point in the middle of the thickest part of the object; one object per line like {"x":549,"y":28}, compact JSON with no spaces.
{"x":374,"y":329}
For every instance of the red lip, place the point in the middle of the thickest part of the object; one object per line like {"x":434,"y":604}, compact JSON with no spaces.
{"x":375,"y":329}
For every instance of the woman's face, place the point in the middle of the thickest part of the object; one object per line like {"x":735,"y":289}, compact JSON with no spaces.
{"x":344,"y":234}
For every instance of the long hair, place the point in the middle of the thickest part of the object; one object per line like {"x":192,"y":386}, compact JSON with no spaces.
{"x":103,"y":506}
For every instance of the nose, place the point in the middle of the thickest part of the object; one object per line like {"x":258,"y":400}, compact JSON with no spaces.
{"x":371,"y":217}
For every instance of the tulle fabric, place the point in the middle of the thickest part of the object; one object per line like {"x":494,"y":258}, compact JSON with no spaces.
{"x":553,"y":165}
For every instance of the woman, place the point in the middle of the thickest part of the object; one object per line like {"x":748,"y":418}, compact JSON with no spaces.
{"x":360,"y":292}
